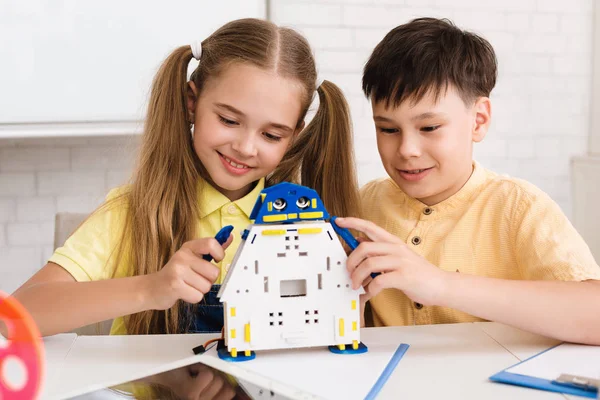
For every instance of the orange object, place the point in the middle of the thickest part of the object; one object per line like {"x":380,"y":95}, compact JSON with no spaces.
{"x":24,"y":348}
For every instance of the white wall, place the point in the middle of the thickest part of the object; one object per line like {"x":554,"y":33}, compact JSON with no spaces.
{"x":41,"y":177}
{"x":586,"y":169}
{"x":541,"y":110}
{"x":594,"y":149}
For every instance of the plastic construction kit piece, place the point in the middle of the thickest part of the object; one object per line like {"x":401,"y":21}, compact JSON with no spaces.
{"x":344,"y":349}
{"x":349,"y":239}
{"x":23,"y":351}
{"x":288,"y":286}
{"x":233,"y":356}
{"x":221,"y":237}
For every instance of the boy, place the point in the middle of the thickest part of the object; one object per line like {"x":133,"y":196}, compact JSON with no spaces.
{"x":454,"y":241}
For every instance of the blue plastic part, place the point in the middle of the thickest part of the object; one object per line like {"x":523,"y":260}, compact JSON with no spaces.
{"x":387,"y":372}
{"x":349,"y":239}
{"x":345,"y":234}
{"x":225,"y":355}
{"x":362,"y":348}
{"x":221,"y":237}
{"x":298,"y":201}
{"x":245,"y":234}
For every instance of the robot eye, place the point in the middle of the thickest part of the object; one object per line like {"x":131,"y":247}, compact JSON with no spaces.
{"x":303,"y":202}
{"x":279,"y":204}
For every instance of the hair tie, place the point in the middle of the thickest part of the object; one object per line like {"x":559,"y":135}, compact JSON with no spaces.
{"x":196,"y":49}
{"x":319,"y":83}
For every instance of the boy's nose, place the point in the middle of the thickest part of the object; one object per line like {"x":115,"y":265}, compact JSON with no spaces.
{"x":409,"y":147}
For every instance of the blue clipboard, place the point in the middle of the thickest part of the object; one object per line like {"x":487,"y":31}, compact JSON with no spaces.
{"x":539,"y":383}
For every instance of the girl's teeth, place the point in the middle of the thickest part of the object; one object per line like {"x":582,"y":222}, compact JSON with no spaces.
{"x":234,"y":164}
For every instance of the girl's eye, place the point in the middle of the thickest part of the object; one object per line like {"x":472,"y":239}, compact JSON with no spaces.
{"x":388,"y":131}
{"x":272,"y":137}
{"x":430,"y":128}
{"x":227,"y":121}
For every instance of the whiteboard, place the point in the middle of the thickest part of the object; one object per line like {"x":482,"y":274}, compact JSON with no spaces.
{"x":93,"y":61}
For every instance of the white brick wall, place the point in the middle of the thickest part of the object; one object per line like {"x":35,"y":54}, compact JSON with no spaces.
{"x":540,"y":110}
{"x":541,"y":101}
{"x":40,"y":177}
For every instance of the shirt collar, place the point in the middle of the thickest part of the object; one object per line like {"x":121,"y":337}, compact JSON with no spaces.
{"x":478,"y":177}
{"x":210,"y":199}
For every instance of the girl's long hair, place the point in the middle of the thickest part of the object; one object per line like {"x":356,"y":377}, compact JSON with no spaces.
{"x":162,"y":201}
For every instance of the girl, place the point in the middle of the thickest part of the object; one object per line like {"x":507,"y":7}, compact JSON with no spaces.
{"x":209,"y":147}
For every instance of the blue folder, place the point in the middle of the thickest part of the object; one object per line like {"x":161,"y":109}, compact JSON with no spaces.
{"x":538,"y":383}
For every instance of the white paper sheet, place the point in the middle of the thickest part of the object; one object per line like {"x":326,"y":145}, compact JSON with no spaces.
{"x":566,"y":358}
{"x":321,"y":373}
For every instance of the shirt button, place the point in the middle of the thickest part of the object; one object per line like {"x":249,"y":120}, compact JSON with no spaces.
{"x":227,"y":268}
{"x":416,"y":240}
{"x":418,"y":306}
{"x":427,"y":210}
{"x":232,"y":209}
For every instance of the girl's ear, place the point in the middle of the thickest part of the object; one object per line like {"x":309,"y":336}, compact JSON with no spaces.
{"x":190,"y":101}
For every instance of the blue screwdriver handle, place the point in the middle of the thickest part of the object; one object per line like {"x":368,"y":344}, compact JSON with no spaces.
{"x":348,"y":238}
{"x":221,"y":237}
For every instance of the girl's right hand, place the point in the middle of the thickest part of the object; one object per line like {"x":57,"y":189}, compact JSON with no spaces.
{"x":187,"y":276}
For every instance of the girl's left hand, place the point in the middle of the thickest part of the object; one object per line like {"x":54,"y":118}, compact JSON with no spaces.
{"x":400,"y":267}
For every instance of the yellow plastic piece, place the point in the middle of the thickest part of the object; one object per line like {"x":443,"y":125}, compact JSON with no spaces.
{"x":354,"y":326}
{"x":247,"y":353}
{"x":273,"y":232}
{"x":262,"y":196}
{"x":247,"y":333}
{"x":354,"y":304}
{"x":314,"y":203}
{"x":341,"y":326}
{"x":232,"y":311}
{"x":233,"y":353}
{"x":270,"y":206}
{"x":311,"y":215}
{"x":355,"y":344}
{"x":309,"y":231}
{"x":275,"y":218}
{"x":341,"y":346}
{"x":292,"y":215}
{"x":232,"y":335}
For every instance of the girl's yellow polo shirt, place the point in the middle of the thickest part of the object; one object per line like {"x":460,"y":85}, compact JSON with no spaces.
{"x":86,"y":253}
{"x":495,"y":226}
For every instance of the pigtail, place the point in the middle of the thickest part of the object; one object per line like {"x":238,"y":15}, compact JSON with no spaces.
{"x":328,"y":160}
{"x":322,"y":157}
{"x":163,"y":199}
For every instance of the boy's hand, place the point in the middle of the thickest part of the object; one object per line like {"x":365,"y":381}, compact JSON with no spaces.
{"x":401,"y":267}
{"x":187,"y":276}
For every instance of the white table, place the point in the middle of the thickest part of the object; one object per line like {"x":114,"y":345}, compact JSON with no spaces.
{"x":444,"y":361}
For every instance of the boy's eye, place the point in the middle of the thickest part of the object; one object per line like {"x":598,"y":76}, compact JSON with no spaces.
{"x":272,"y":137}
{"x":227,"y":121}
{"x":430,"y":128}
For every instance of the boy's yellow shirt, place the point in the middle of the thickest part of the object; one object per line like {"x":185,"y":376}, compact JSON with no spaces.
{"x":495,"y":226}
{"x":86,"y":253}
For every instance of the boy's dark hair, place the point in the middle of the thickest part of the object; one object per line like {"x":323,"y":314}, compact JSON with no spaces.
{"x":428,"y":54}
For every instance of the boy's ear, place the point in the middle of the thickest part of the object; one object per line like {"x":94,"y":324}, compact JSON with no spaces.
{"x":483,"y":118}
{"x":190,"y":101}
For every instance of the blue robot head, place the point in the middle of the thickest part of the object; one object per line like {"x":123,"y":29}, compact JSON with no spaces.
{"x":287,"y":203}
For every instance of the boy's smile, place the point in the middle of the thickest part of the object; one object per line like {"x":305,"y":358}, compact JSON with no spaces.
{"x":426,"y":146}
{"x":414,"y":175}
